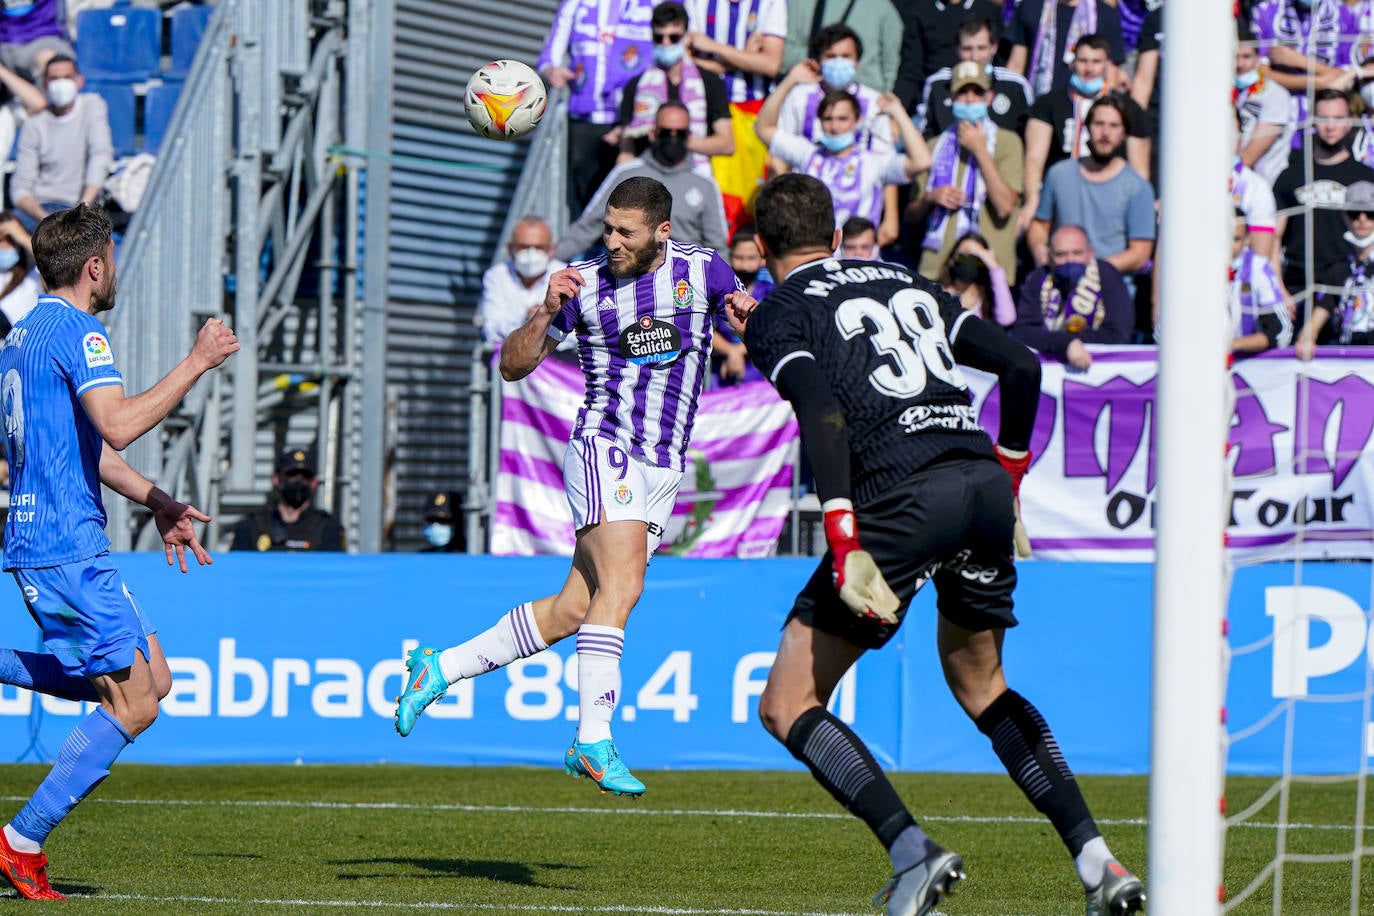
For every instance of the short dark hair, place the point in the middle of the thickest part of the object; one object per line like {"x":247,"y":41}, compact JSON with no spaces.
{"x":856,"y":226}
{"x":793,"y":212}
{"x":669,"y":106}
{"x":667,"y":13}
{"x":1096,"y":42}
{"x":1115,"y":102}
{"x":1330,"y":95}
{"x":972,"y":25}
{"x":64,"y":241}
{"x":833,"y":34}
{"x":647,"y":195}
{"x":745,"y":233}
{"x":60,"y":59}
{"x":833,"y":98}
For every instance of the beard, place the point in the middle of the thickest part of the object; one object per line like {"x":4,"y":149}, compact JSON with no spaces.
{"x":1102,"y":158}
{"x":639,"y":260}
{"x":104,"y":301}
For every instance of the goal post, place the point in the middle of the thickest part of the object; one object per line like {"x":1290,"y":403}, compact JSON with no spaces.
{"x":1194,"y":404}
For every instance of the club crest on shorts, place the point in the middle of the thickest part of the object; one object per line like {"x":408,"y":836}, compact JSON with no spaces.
{"x":623,"y":495}
{"x":682,"y":293}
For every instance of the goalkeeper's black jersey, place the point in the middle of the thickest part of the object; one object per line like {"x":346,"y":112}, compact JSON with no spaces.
{"x":881,"y":337}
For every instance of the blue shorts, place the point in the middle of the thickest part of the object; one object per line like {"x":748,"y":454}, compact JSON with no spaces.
{"x":89,"y":619}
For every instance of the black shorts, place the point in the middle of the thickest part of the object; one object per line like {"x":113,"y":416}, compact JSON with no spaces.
{"x":951,"y":521}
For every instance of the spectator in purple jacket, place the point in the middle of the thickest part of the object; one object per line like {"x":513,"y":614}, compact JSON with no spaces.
{"x":595,"y":48}
{"x":30,"y":34}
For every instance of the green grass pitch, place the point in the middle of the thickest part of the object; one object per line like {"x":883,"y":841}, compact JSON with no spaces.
{"x":384,"y":839}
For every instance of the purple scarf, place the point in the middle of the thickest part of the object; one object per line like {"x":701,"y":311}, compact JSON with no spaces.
{"x":1042,"y":61}
{"x":945,"y":163}
{"x":1086,"y":309}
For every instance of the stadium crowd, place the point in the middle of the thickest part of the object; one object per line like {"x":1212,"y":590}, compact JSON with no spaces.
{"x":1008,"y":149}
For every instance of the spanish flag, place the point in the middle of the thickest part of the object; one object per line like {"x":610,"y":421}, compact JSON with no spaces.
{"x":740,"y":175}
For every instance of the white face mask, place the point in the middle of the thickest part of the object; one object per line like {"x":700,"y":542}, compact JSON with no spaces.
{"x":1359,"y":241}
{"x":62,"y":92}
{"x":531,"y":262}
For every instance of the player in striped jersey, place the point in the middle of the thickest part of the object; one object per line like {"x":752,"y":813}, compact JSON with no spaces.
{"x":65,"y":416}
{"x":643,"y":314}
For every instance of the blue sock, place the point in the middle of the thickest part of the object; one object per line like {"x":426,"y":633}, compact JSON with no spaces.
{"x":83,"y":764}
{"x":43,"y":672}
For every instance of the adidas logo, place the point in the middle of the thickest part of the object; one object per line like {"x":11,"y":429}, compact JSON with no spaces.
{"x":606,"y":305}
{"x":487,"y":664}
{"x":607,"y":699}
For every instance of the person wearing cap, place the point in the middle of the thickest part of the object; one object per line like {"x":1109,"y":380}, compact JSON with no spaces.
{"x":1348,"y":319}
{"x":515,"y":287}
{"x":974,"y":182}
{"x":1011,"y":94}
{"x":290,"y":521}
{"x":440,"y":532}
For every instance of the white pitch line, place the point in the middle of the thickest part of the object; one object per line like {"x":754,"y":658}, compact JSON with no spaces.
{"x":634,"y":811}
{"x":445,"y":905}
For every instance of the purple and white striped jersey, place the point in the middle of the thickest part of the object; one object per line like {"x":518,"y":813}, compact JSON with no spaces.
{"x":605,"y":43}
{"x":645,"y":346}
{"x":732,"y":22}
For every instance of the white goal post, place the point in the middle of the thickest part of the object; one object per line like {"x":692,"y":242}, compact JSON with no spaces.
{"x":1194,"y":412}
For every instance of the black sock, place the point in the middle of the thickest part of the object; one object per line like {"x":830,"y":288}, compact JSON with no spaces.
{"x":842,"y":764}
{"x":1027,"y":749}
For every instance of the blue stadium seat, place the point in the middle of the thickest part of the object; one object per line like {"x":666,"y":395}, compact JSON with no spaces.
{"x":188,"y":26}
{"x":158,"y":106}
{"x":119,"y":97}
{"x":119,"y":44}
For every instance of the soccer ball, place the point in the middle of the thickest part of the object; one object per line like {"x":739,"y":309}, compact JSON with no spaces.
{"x":505,"y":100}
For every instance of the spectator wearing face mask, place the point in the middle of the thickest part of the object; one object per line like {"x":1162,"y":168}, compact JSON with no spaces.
{"x":857,"y":178}
{"x":1265,"y":109}
{"x":514,"y":288}
{"x":980,"y":283}
{"x":1347,"y":318}
{"x":675,"y":77}
{"x":1076,"y":299}
{"x":974,"y":182}
{"x":441,"y":533}
{"x":291,"y":522}
{"x":20,"y":285}
{"x":698,"y":217}
{"x":65,"y":151}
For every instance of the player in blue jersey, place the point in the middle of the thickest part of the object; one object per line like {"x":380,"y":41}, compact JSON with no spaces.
{"x":912,"y":490}
{"x":66,"y":415}
{"x":643,"y":314}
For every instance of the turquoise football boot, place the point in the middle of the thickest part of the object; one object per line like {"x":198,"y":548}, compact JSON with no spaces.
{"x":425,"y":683}
{"x":601,"y":763}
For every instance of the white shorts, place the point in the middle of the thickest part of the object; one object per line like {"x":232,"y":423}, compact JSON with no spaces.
{"x":605,"y":483}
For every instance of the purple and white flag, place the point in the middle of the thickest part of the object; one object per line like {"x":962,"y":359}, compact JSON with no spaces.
{"x":735,"y":494}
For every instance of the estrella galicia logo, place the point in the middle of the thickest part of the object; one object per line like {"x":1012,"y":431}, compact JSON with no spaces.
{"x":650,"y":340}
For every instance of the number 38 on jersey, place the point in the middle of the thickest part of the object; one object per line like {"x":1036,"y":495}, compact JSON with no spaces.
{"x":909,"y":330}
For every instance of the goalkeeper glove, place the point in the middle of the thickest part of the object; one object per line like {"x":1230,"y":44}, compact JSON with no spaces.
{"x":1016,"y":465}
{"x":857,"y":578}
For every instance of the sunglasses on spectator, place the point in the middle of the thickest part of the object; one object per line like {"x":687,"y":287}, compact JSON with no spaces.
{"x":668,"y":38}
{"x":1356,"y":214}
{"x":674,"y":131}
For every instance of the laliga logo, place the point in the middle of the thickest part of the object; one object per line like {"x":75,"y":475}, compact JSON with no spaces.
{"x":1296,"y":660}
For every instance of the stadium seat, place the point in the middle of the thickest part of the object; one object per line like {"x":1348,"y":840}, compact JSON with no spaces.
{"x":188,"y":26}
{"x":119,"y":44}
{"x":119,"y":98}
{"x":158,"y":106}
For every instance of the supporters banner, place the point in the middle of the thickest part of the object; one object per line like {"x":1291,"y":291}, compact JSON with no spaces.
{"x":735,"y":495}
{"x":1303,"y":469}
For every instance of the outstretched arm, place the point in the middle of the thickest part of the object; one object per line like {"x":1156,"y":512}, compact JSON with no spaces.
{"x":121,"y":420}
{"x":173,"y":519}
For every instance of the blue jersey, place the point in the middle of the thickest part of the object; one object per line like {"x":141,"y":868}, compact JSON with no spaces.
{"x":51,"y":357}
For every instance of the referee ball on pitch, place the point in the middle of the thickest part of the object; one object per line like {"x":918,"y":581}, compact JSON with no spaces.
{"x":505,"y":100}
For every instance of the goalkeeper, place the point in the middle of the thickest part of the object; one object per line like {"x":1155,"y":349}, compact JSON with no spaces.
{"x":912,"y":489}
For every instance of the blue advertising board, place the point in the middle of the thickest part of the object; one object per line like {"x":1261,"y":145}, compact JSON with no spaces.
{"x":297,"y":658}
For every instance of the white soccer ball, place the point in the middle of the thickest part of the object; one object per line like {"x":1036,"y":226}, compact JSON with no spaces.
{"x":505,"y":100}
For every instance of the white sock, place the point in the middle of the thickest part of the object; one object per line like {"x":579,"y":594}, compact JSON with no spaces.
{"x":1092,"y":861}
{"x":598,"y":680}
{"x":515,"y":636}
{"x":20,"y":843}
